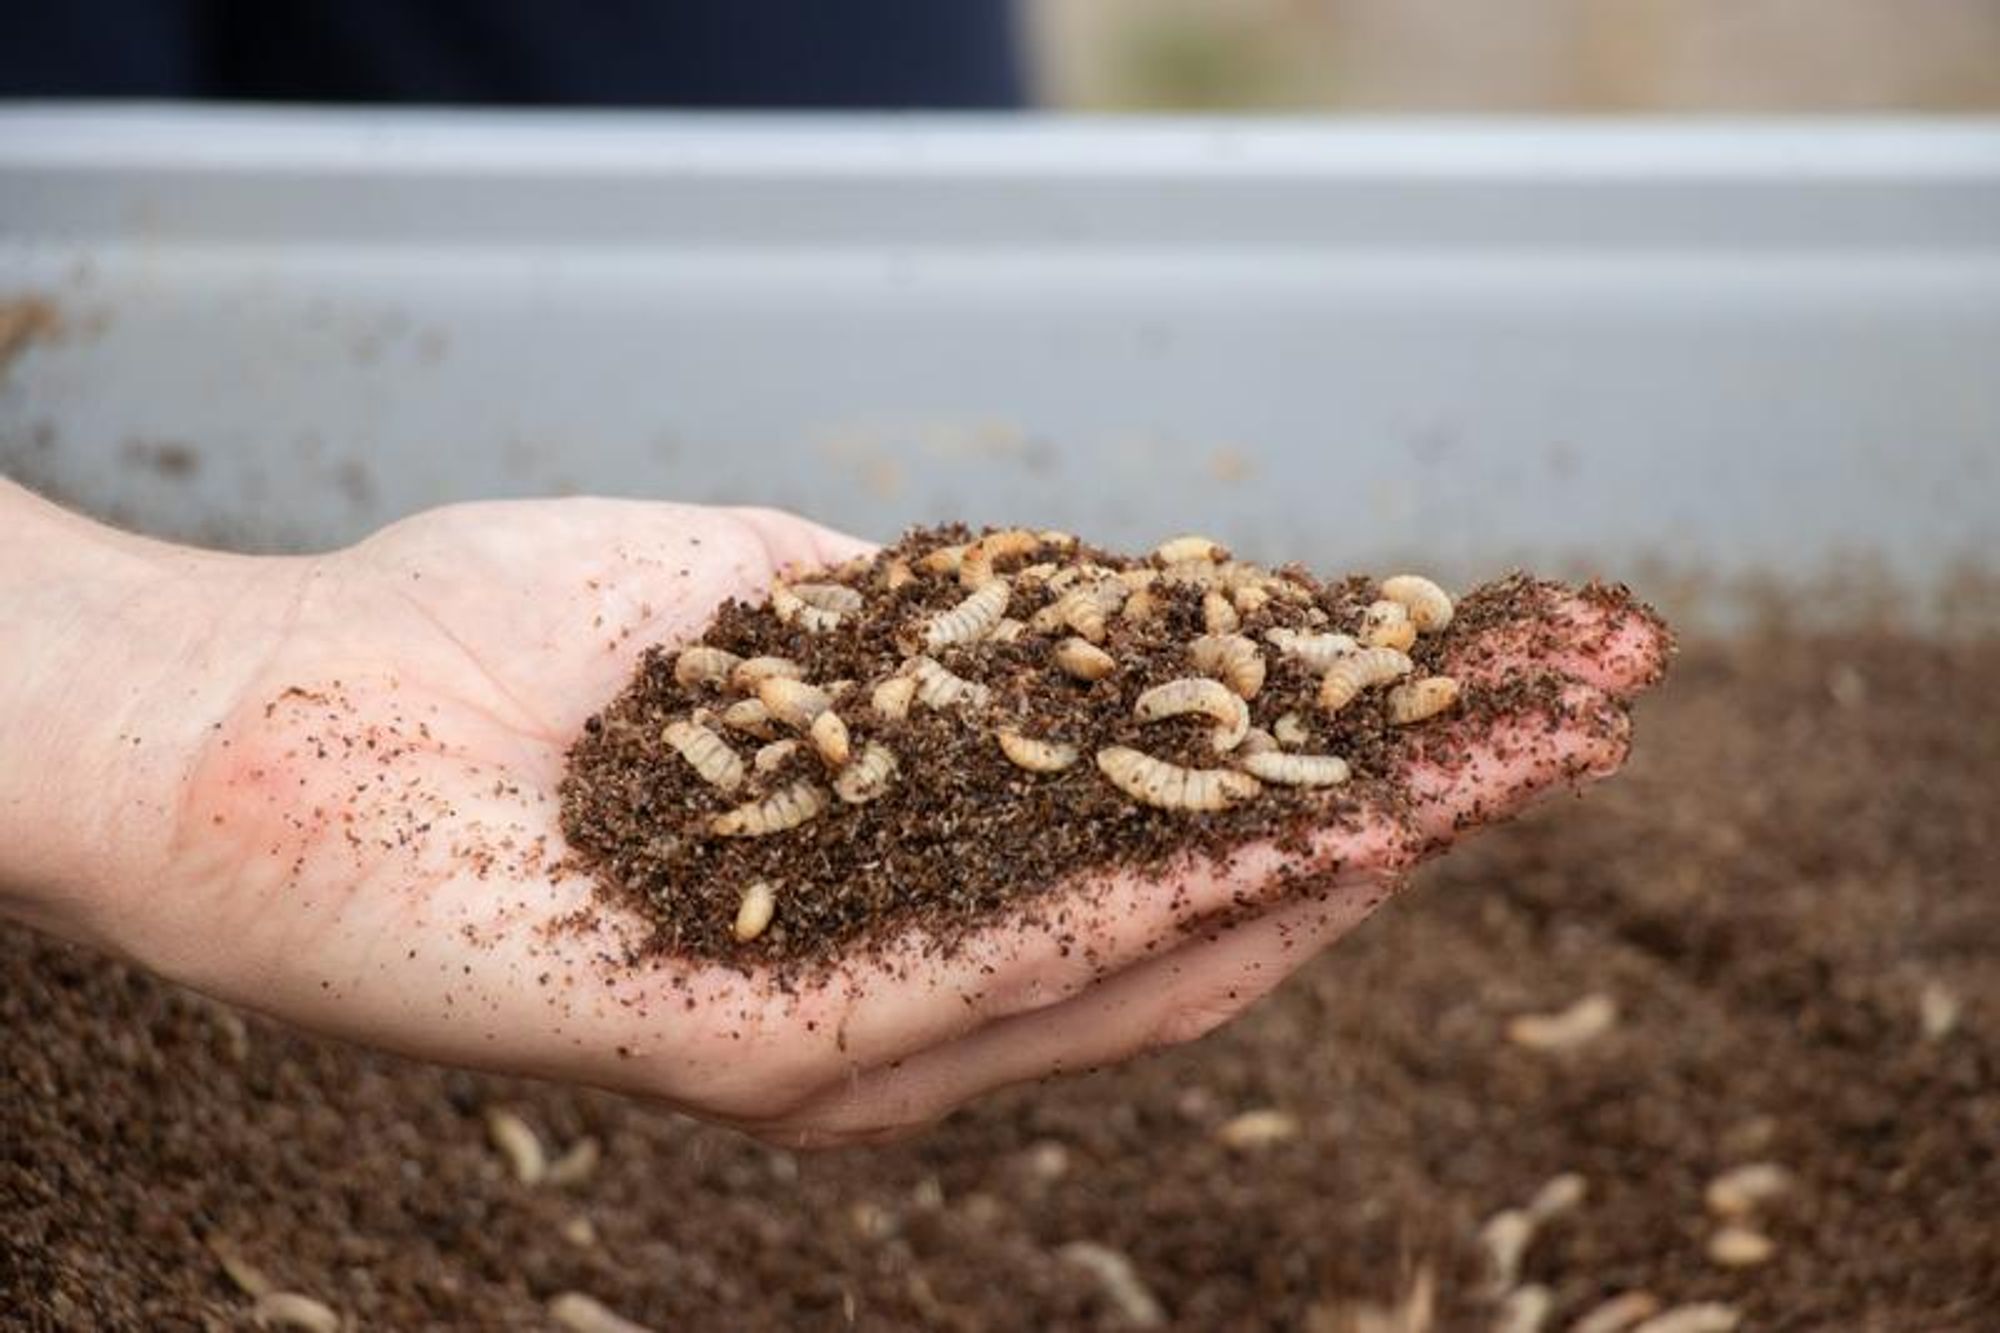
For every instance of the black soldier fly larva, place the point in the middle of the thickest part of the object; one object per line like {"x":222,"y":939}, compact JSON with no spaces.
{"x":785,"y":809}
{"x":1166,"y":786}
{"x":706,"y":753}
{"x":1198,"y":694}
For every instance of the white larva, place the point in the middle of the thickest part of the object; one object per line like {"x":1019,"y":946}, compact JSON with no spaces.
{"x":942,"y":560}
{"x":1166,"y":786}
{"x":793,"y":702}
{"x":1218,"y":613}
{"x":1178,"y":549}
{"x":1250,"y":598}
{"x":1083,"y":659}
{"x":1420,"y":700}
{"x":1137,"y":579}
{"x":291,"y":1309}
{"x":898,"y":574}
{"x":828,"y":596}
{"x":578,"y":1313}
{"x":1291,"y":729}
{"x":1009,"y":630}
{"x":1618,"y":1314}
{"x":1739,"y":1246}
{"x":748,"y":716}
{"x":791,"y":609}
{"x":754,"y":912}
{"x":940,"y":688}
{"x":1230,"y":658}
{"x":1739,"y":1191}
{"x":975,"y":569}
{"x":891,"y":698}
{"x":1037,"y":756}
{"x":1198,"y":694}
{"x":1702,"y":1317}
{"x":971,"y":619}
{"x":1429,"y":605}
{"x":785,"y":809}
{"x":1318,"y":651}
{"x":706,"y":753}
{"x":751,"y":673}
{"x":1256,"y":741}
{"x":1585,"y":1021}
{"x":700,"y":664}
{"x":1084,"y":609}
{"x":518,"y":1143}
{"x":769,"y":757}
{"x":1296,"y":770}
{"x":1140,"y":607}
{"x":1386,"y":624}
{"x":1360,"y":670}
{"x":1192,"y":574}
{"x":829,"y":736}
{"x":867,"y":776}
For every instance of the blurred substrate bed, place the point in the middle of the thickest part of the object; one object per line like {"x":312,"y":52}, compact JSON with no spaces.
{"x":1789,"y":897}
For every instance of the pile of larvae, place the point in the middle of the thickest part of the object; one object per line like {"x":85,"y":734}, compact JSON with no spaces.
{"x":945,"y":731}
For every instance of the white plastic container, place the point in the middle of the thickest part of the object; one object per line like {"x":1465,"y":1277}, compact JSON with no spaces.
{"x":1719,"y":347}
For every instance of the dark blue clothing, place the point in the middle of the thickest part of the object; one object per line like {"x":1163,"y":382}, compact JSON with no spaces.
{"x":690,"y":53}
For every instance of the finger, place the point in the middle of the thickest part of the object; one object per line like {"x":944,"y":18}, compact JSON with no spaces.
{"x":1598,"y":636}
{"x":1475,"y":770}
{"x":1165,"y":1001}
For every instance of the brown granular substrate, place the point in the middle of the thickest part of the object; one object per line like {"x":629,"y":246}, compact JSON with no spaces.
{"x":1805,"y":844}
{"x":962,"y":835}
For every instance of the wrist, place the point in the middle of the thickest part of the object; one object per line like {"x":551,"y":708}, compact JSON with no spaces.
{"x":112,"y":678}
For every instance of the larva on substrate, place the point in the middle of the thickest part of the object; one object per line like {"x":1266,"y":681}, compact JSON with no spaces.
{"x":1318,"y":651}
{"x":1198,"y":694}
{"x":1084,"y":660}
{"x":1231,"y":659}
{"x":1009,"y":630}
{"x":769,"y":757}
{"x":891,"y":699}
{"x":1250,"y":598}
{"x":1256,"y":741}
{"x":1297,"y":770}
{"x":752,"y":672}
{"x":1140,"y":607}
{"x":700,"y":664}
{"x":1358,"y":671}
{"x":942,"y":560}
{"x":754,"y":911}
{"x":867,"y":776}
{"x":793,"y":702}
{"x":971,"y":619}
{"x":748,"y":716}
{"x":1218,"y":613}
{"x":706,"y":753}
{"x":939,"y":688}
{"x":1082,"y":609}
{"x":1176,"y":550}
{"x":1429,"y":605}
{"x":1166,"y":786}
{"x":829,"y":736}
{"x":1420,"y":700}
{"x":898,"y":574}
{"x":791,"y":609}
{"x":1386,"y":624}
{"x":785,"y":809}
{"x":1037,"y":756}
{"x":975,"y":568}
{"x":828,"y":596}
{"x":1291,"y":729}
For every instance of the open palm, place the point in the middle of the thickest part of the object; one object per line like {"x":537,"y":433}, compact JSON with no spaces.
{"x":365,"y":840}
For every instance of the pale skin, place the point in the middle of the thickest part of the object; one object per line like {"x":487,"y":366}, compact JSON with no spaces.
{"x":324,"y":788}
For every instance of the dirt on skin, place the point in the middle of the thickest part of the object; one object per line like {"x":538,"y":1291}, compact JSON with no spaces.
{"x":961,"y":835}
{"x":1789,"y":897}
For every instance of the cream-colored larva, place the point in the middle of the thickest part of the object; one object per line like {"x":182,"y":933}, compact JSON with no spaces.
{"x":769,"y":757}
{"x":752,"y":672}
{"x":1138,"y":578}
{"x":1218,"y":613}
{"x":518,"y":1143}
{"x":1166,"y":786}
{"x":1297,"y":770}
{"x":1041,"y":572}
{"x":700,"y":664}
{"x":785,"y":809}
{"x":1739,"y":1191}
{"x":748,"y":716}
{"x":292,"y":1309}
{"x":1362,"y":669}
{"x":891,"y":698}
{"x":1566,"y":1029}
{"x":1056,"y":539}
{"x":1739,"y":1246}
{"x":578,"y":1313}
{"x":1256,"y":741}
{"x":706,"y":753}
{"x":898,"y":574}
{"x":940,"y":688}
{"x":793,"y":702}
{"x":867,"y":776}
{"x":1291,"y":729}
{"x":754,"y":911}
{"x":1318,"y":651}
{"x":791,"y":609}
{"x":1084,"y":571}
{"x":828,"y":596}
{"x":1008,"y":630}
{"x":1192,"y":574}
{"x":975,"y":569}
{"x":829,"y":736}
{"x":1618,"y":1314}
{"x":1177,"y":549}
{"x":943,"y":560}
{"x":1037,"y":756}
{"x":1084,"y":609}
{"x":1198,"y":694}
{"x":1140,"y":607}
{"x":1250,"y":598}
{"x":971,"y":619}
{"x":1231,"y":659}
{"x":1083,"y":659}
{"x":1387,"y":624}
{"x":1429,"y":605}
{"x":1701,"y":1317}
{"x":1419,"y":700}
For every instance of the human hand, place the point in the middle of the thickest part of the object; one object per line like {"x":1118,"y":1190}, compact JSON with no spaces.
{"x":325,"y":788}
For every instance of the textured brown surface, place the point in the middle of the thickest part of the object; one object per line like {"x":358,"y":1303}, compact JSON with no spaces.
{"x":1804,"y":841}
